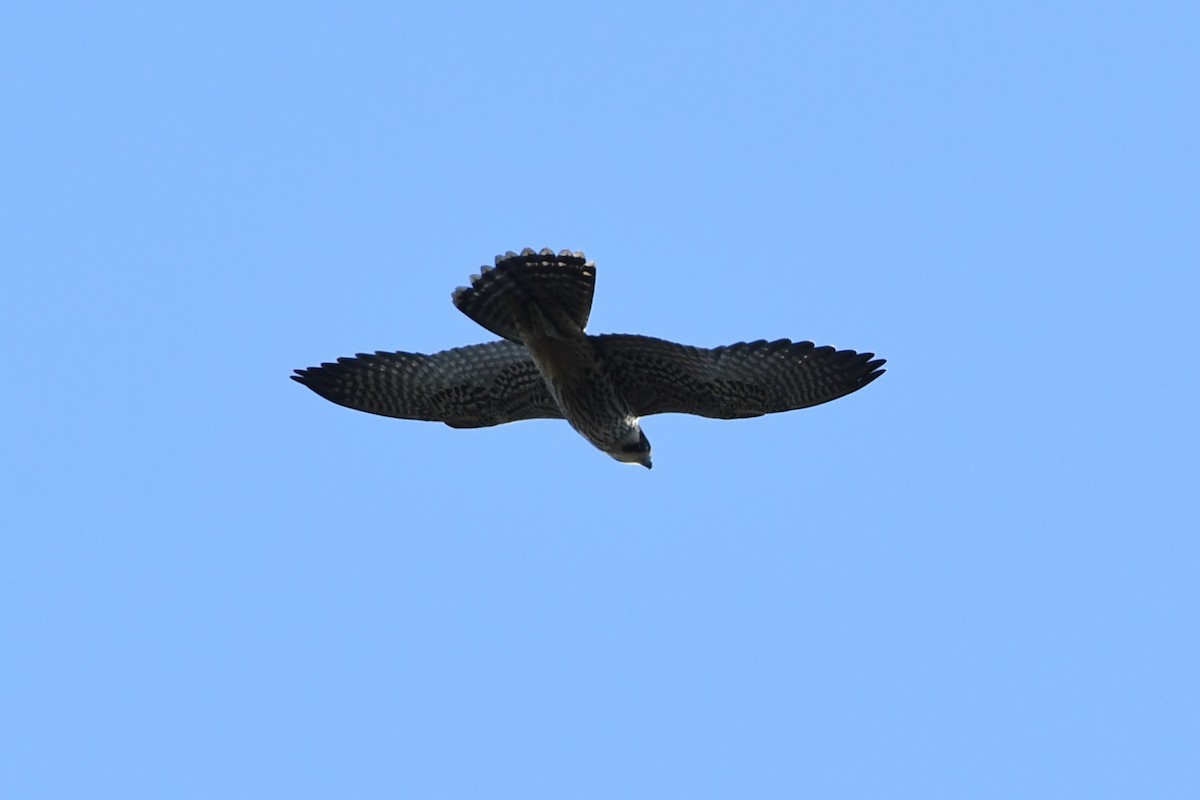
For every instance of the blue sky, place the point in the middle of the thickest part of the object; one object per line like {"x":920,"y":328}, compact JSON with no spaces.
{"x":975,"y":578}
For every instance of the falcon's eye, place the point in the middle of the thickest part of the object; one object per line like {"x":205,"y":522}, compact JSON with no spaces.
{"x":642,"y":445}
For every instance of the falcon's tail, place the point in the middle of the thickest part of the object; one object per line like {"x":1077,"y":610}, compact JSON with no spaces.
{"x":531,"y":291}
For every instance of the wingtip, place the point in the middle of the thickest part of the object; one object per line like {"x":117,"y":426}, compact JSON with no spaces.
{"x":872,"y":375}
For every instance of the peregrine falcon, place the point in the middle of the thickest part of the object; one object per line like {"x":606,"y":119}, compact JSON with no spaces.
{"x":545,"y":366}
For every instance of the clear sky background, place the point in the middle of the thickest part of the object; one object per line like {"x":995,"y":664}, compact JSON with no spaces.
{"x":975,"y":578}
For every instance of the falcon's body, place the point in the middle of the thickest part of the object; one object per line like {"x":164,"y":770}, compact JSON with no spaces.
{"x":546,"y":366}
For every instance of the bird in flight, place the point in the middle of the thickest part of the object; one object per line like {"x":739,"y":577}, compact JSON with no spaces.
{"x":544,"y":366}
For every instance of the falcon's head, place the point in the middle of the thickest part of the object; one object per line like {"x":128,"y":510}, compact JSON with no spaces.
{"x":634,"y":449}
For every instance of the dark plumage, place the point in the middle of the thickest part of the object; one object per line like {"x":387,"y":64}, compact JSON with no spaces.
{"x":545,"y":366}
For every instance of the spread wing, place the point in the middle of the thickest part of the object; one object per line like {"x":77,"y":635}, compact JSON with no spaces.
{"x":747,"y":379}
{"x":465,"y":387}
